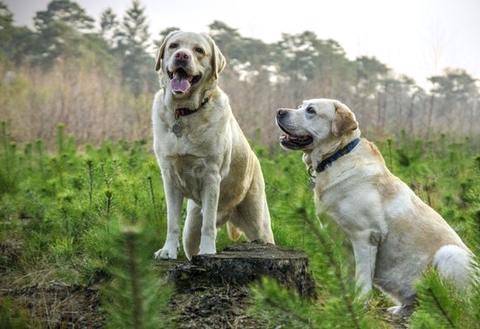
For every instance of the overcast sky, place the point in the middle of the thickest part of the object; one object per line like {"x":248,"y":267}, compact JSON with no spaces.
{"x":415,"y":37}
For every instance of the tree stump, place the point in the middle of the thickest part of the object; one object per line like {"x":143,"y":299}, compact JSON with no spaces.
{"x":212,"y":290}
{"x":242,"y":264}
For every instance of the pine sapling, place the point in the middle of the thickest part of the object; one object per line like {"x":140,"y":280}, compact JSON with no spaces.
{"x":39,"y":150}
{"x":136,"y":298}
{"x":152,"y":196}
{"x":108,"y":201}
{"x":334,"y":263}
{"x":90,"y":181}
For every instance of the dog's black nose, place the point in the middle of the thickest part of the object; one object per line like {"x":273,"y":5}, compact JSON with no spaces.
{"x":281,"y":113}
{"x":182,"y":56}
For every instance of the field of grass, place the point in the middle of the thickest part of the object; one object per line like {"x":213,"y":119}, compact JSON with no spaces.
{"x":84,"y":221}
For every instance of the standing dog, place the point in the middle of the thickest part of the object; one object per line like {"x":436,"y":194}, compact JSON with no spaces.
{"x":395,"y":236}
{"x":202,"y":152}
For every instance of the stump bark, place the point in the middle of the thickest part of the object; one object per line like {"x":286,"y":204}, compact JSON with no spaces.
{"x":242,"y":264}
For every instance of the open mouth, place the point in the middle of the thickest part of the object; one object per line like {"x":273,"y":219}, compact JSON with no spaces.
{"x":294,"y":142}
{"x":181,"y":81}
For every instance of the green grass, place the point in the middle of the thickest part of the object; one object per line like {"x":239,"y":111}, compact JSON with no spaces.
{"x":69,"y":209}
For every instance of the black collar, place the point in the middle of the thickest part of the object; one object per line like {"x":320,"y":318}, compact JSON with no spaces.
{"x":345,"y":150}
{"x":184,"y":111}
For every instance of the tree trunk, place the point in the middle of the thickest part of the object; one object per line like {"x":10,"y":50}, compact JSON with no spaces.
{"x":242,"y":264}
{"x":212,"y":291}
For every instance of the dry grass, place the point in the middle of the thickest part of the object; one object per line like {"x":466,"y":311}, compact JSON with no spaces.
{"x":95,"y":106}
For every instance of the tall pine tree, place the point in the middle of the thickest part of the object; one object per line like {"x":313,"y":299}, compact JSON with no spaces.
{"x":60,"y":30}
{"x":109,"y":26}
{"x":133,"y":42}
{"x":14,"y":41}
{"x":6,"y":25}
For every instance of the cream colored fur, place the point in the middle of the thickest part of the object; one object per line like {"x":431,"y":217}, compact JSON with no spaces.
{"x":395,"y":236}
{"x":211,"y":164}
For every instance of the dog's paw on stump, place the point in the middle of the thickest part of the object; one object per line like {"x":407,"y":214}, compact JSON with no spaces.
{"x":242,"y":264}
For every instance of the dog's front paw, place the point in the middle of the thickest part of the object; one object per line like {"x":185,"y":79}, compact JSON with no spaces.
{"x":207,"y":247}
{"x":394,"y":310}
{"x":401,"y":311}
{"x":169,"y":251}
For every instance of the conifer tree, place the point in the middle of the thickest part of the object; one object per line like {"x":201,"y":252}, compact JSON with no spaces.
{"x":14,"y":41}
{"x":109,"y":27}
{"x":133,"y":43}
{"x":60,"y":29}
{"x":137,"y":297}
{"x":6,"y":23}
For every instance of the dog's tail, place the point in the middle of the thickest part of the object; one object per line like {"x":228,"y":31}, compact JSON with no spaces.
{"x":234,"y":233}
{"x":455,"y":264}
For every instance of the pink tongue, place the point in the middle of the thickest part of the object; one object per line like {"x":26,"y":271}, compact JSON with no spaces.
{"x":180,"y":84}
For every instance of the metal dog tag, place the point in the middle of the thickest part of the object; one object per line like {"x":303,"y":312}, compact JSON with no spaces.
{"x":177,"y":128}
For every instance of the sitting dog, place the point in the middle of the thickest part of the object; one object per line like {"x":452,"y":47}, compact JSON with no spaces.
{"x":395,"y":236}
{"x":202,"y":152}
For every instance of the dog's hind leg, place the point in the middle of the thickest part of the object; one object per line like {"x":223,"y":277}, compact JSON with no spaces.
{"x":192,"y":229}
{"x":252,"y":215}
{"x":234,"y":233}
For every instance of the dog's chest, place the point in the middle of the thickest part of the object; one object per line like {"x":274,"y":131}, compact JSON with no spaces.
{"x":187,"y":172}
{"x":199,"y":143}
{"x":341,"y":198}
{"x":173,"y":146}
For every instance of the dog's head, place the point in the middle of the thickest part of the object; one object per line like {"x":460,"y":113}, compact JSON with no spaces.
{"x":315,"y":122}
{"x":188,"y":61}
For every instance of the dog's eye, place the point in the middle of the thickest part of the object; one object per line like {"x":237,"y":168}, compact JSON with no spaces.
{"x":310,"y":110}
{"x":199,"y":50}
{"x":173,"y":45}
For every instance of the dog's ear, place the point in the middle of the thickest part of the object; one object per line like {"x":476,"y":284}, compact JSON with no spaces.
{"x":161,"y":50}
{"x":218,"y":60}
{"x":344,"y":121}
